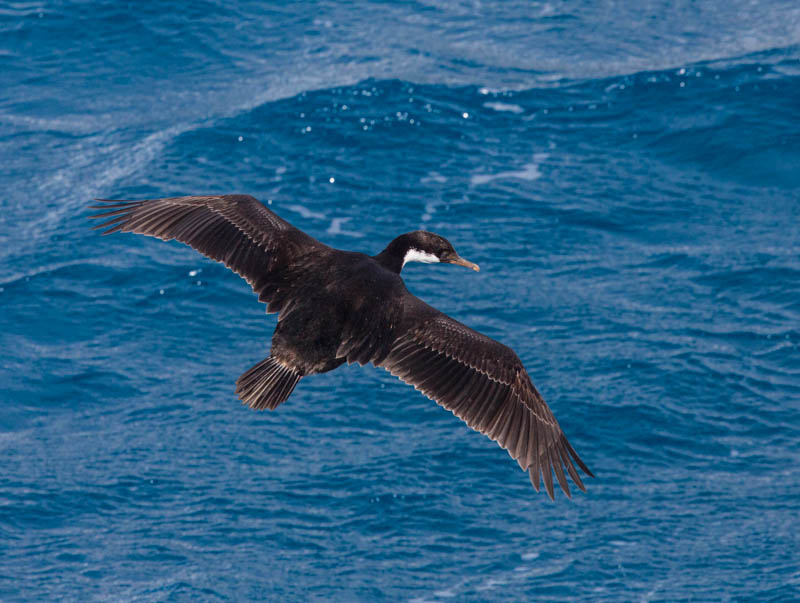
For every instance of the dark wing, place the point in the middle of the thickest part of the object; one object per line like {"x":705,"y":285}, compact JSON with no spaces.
{"x":236,"y":230}
{"x":484,"y":383}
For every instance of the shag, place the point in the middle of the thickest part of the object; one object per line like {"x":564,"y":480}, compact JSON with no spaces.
{"x":339,"y":306}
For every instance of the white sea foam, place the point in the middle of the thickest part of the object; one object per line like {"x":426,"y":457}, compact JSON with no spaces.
{"x":336,"y":228}
{"x":507,"y":107}
{"x":434,"y":177}
{"x":529,"y":171}
{"x":95,"y":166}
{"x":305,"y":212}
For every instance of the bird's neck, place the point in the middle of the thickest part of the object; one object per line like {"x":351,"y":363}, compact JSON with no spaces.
{"x":393,"y":257}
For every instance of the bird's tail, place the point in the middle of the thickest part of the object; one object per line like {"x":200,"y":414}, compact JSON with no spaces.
{"x":267,"y":384}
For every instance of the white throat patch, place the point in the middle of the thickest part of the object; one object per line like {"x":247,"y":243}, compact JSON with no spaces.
{"x":415,"y":255}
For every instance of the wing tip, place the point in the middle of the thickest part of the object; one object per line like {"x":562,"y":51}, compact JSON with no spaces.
{"x":575,"y":456}
{"x":118,"y":211}
{"x":533,"y":473}
{"x":554,"y":461}
{"x":547,"y":478}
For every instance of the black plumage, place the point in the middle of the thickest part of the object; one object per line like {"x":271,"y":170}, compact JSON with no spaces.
{"x":339,"y":306}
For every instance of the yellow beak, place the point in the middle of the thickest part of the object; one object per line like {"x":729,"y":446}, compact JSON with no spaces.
{"x":462,"y":262}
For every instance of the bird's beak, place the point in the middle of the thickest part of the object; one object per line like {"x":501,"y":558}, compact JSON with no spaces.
{"x":462,"y":262}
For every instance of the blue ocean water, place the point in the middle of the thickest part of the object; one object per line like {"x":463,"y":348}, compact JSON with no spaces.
{"x":626,"y":175}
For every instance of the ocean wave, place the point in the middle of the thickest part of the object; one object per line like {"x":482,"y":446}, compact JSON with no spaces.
{"x":628,"y":186}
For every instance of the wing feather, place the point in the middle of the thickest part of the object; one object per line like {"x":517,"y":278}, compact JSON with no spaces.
{"x":236,"y":230}
{"x":484,"y":383}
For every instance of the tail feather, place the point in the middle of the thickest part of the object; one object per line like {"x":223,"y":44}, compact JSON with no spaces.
{"x":267,"y":384}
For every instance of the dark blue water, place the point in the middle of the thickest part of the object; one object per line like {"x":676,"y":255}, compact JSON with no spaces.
{"x":628,"y":178}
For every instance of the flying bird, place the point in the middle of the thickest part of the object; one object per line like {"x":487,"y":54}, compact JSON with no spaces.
{"x":338,"y":306}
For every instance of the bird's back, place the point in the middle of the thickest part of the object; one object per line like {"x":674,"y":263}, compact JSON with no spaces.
{"x":347,"y":308}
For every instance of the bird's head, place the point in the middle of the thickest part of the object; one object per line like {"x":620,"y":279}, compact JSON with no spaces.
{"x":421,"y":246}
